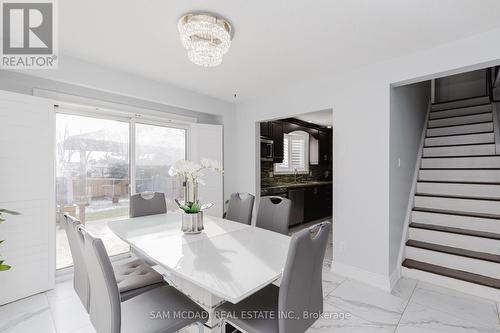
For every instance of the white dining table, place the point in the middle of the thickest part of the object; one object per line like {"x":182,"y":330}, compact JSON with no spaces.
{"x":228,"y":261}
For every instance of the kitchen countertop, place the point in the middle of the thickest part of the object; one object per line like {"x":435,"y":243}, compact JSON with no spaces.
{"x":297,"y":184}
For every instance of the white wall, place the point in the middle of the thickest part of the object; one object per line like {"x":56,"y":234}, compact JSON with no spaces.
{"x":361,"y":116}
{"x":78,"y":78}
{"x":408,"y":110}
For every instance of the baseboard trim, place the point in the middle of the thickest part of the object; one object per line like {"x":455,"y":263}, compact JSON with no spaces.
{"x":384,"y":282}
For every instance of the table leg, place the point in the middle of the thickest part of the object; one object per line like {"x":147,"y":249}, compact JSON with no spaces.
{"x":203,"y":298}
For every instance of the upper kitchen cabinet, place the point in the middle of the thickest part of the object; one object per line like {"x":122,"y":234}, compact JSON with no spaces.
{"x":325,"y":146}
{"x":266,"y":130}
{"x":278,"y":153}
{"x":273,"y":130}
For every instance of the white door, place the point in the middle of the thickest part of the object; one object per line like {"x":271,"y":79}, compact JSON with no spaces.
{"x":27,"y":143}
{"x":206,"y":141}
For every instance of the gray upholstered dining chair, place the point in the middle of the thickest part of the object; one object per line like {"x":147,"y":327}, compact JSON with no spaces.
{"x":133,"y":276}
{"x":135,"y":315}
{"x":301,"y":290}
{"x":240,"y":208}
{"x":143,"y":204}
{"x":274,"y":214}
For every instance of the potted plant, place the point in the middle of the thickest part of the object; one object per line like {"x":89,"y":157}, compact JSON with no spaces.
{"x":4,"y":267}
{"x":191,"y":173}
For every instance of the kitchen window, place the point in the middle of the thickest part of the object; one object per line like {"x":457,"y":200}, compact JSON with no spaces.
{"x":295,"y":154}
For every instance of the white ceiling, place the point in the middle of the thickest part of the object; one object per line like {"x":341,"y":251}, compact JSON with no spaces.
{"x":275,"y":42}
{"x":322,"y":118}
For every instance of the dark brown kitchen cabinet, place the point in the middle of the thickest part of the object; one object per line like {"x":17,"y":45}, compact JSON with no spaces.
{"x":266,"y":130}
{"x":331,"y":145}
{"x":317,"y":202}
{"x":311,"y":204}
{"x":324,"y":148}
{"x":278,"y":153}
{"x":273,"y":130}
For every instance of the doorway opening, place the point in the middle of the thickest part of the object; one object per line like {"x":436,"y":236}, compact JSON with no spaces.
{"x":296,"y":162}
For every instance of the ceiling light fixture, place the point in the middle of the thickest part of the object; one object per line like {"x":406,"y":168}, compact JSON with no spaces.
{"x":206,"y":38}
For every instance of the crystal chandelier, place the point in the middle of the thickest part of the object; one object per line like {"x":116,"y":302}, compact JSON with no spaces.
{"x":206,"y":38}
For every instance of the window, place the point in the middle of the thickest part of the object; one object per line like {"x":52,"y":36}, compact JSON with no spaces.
{"x":157,"y":148}
{"x":295,"y":154}
{"x":95,"y":172}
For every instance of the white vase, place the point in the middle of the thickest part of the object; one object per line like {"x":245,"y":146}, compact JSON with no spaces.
{"x":192,"y":223}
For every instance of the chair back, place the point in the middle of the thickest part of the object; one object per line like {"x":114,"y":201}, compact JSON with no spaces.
{"x":274,"y":214}
{"x":240,"y":208}
{"x":142,"y":205}
{"x":301,"y":287}
{"x":76,"y":246}
{"x":105,"y":306}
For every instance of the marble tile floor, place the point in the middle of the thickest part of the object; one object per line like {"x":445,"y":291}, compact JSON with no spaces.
{"x":350,"y":307}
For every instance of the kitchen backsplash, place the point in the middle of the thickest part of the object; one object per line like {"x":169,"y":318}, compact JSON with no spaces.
{"x":318,"y":173}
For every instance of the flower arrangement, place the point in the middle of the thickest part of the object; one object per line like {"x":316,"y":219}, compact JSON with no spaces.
{"x":191,"y":173}
{"x":4,"y":267}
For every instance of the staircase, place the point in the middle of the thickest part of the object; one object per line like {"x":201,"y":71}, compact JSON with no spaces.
{"x":454,"y":231}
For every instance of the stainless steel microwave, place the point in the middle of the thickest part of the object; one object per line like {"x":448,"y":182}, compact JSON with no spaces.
{"x":266,"y":149}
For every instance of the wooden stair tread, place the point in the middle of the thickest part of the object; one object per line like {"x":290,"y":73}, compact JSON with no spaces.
{"x":455,"y":181}
{"x":452,"y":212}
{"x":450,"y":196}
{"x":460,"y":115}
{"x":457,"y":125}
{"x":458,"y":107}
{"x":458,"y":145}
{"x":466,"y":232}
{"x":457,"y":134}
{"x":465,"y":156}
{"x":452,"y":273}
{"x":460,"y":100}
{"x":454,"y":250}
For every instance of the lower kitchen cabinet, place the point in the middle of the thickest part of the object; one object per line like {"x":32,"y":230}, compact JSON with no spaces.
{"x":317,"y":202}
{"x":297,"y":196}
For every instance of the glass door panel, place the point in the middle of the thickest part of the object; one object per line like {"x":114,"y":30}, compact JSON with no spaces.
{"x":156,"y":149}
{"x":92,"y":178}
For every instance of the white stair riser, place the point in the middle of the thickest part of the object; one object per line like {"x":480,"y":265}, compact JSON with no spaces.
{"x":481,"y":176}
{"x":470,"y":265}
{"x":483,"y":162}
{"x":462,"y":103}
{"x":464,"y":129}
{"x":476,"y":290}
{"x":487,"y":149}
{"x":462,"y":120}
{"x":479,"y":244}
{"x":460,"y":139}
{"x":459,"y":205}
{"x":457,"y":221}
{"x":460,"y":190}
{"x":460,"y":112}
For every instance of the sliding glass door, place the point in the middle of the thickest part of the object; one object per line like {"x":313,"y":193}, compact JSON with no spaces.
{"x":156,"y":149}
{"x":95,"y":173}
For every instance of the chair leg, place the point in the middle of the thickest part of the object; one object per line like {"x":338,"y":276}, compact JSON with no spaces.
{"x":201,"y":328}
